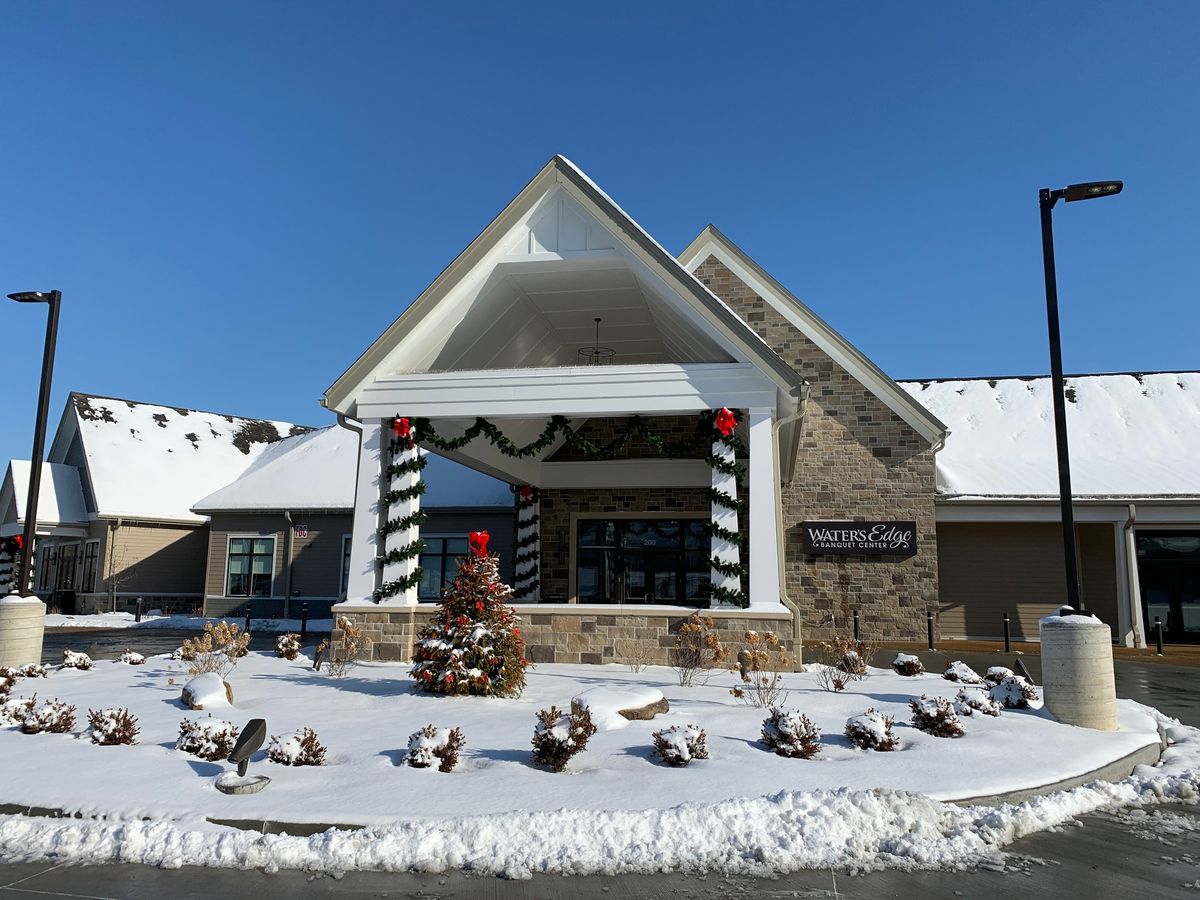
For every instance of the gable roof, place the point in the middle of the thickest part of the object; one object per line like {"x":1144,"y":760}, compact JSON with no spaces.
{"x":60,"y":497}
{"x":318,"y":470}
{"x":711,"y":242}
{"x":559,"y":171}
{"x":1131,"y":435}
{"x":146,"y":461}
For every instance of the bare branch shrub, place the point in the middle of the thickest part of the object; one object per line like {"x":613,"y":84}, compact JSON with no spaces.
{"x":908,"y":665}
{"x":287,"y":646}
{"x":872,"y":731}
{"x":53,"y":716}
{"x":1014,"y":692}
{"x":73,"y":660}
{"x":210,"y":738}
{"x":345,"y":654}
{"x":831,"y":679}
{"x":697,"y":648}
{"x":680,"y":744}
{"x":936,"y":716}
{"x":299,"y":749}
{"x":849,"y":656}
{"x":217,"y":650}
{"x":109,"y":727}
{"x":967,"y":703}
{"x":761,"y":664}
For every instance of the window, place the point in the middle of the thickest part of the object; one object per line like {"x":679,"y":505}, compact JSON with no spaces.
{"x":345,"y":566}
{"x":47,"y":564}
{"x":439,"y":564}
{"x":91,"y":560}
{"x":250,"y":565}
{"x":67,"y":554}
{"x":642,"y":561}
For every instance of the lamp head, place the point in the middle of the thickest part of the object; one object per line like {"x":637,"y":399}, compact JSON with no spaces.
{"x":31,"y":296}
{"x":1091,"y":189}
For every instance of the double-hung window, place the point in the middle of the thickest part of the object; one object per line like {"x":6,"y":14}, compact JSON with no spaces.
{"x":251,"y":562}
{"x":439,"y":564}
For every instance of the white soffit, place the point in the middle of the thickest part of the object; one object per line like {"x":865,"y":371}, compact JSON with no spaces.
{"x":711,"y":242}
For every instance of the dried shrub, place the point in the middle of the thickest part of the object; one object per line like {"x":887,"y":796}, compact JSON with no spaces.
{"x":872,"y":731}
{"x":849,"y":656}
{"x":132,"y":659}
{"x":344,"y":655}
{"x":73,"y":660}
{"x":14,"y":710}
{"x":1014,"y":692}
{"x":210,"y":738}
{"x":680,"y":744}
{"x":967,"y":703}
{"x":29,"y":670}
{"x":637,"y":655}
{"x":430,"y":745}
{"x":217,"y":650}
{"x":52,"y":716}
{"x":558,"y":735}
{"x":287,"y":646}
{"x":996,"y":674}
{"x":831,"y":679}
{"x":697,"y":648}
{"x":183,"y":654}
{"x":936,"y":716}
{"x":761,"y":664}
{"x":791,"y":734}
{"x":110,"y":727}
{"x":299,"y":749}
{"x":960,"y":672}
{"x":908,"y":665}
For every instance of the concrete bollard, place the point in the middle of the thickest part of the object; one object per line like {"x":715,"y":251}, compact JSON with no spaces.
{"x":22,"y":625}
{"x":1077,"y":671}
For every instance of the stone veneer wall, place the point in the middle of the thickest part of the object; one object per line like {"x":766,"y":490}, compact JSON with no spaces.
{"x":562,"y":635}
{"x":857,"y":460}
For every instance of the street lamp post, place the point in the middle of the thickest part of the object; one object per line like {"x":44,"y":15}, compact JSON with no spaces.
{"x":53,"y":298}
{"x":1046,"y":200}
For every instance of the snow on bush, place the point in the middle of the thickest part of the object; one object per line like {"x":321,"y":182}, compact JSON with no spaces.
{"x":871,"y":731}
{"x":558,"y":736}
{"x":288,"y":646}
{"x":761,"y":664}
{"x":110,"y":727}
{"x":997,"y":674}
{"x":29,"y":670}
{"x":299,"y":749}
{"x":73,"y":660}
{"x":430,"y":745}
{"x":936,"y":716}
{"x":791,"y":734}
{"x":14,"y":710}
{"x":132,"y":659}
{"x":962,"y":673}
{"x":6,"y":684}
{"x":967,"y":703}
{"x":680,"y":744}
{"x":182,"y":654}
{"x":907,"y":664}
{"x":53,"y":716}
{"x":1014,"y":692}
{"x":210,"y":738}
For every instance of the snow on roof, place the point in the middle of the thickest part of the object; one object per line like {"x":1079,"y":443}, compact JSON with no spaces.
{"x":1130,"y":435}
{"x":60,"y":497}
{"x":148,"y":461}
{"x":317,"y":471}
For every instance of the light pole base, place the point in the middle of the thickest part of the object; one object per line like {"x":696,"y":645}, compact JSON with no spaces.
{"x":1077,"y":671}
{"x":22,"y":626}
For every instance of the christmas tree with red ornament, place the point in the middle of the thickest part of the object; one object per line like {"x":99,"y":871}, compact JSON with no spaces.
{"x":473,"y":645}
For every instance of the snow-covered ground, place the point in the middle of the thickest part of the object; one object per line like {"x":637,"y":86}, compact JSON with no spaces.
{"x":616,"y":808}
{"x":192,"y":623}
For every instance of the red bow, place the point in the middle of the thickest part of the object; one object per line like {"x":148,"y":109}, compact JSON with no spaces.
{"x":401,"y":426}
{"x":725,"y":421}
{"x":525,"y":491}
{"x":478,"y":541}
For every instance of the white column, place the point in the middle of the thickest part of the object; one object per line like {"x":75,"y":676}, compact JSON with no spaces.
{"x":764,"y":528}
{"x":364,"y":535}
{"x":399,"y":539}
{"x":724,"y":550}
{"x":528,"y":522}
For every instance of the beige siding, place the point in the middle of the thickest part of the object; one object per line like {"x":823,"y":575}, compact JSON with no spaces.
{"x":988,"y":569}
{"x":222,"y":528}
{"x":155,"y":559}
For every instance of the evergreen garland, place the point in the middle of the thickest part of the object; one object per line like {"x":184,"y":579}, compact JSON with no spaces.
{"x":525,"y":549}
{"x":402,"y":464}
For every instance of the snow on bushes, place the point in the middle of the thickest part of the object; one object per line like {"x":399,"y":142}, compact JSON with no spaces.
{"x":210,"y":738}
{"x":110,"y":727}
{"x":997,"y":674}
{"x":907,"y":664}
{"x":936,"y":716}
{"x":14,"y":710}
{"x":680,"y":744}
{"x":967,"y":703}
{"x":1014,"y":692}
{"x":73,"y":660}
{"x":287,"y":646}
{"x":299,"y":749}
{"x":791,"y":734}
{"x":558,"y":736}
{"x":430,"y":745}
{"x":29,"y":670}
{"x":6,"y":684}
{"x":962,"y":673}
{"x":761,"y":664}
{"x":132,"y":659}
{"x":53,"y":716}
{"x":872,"y":731}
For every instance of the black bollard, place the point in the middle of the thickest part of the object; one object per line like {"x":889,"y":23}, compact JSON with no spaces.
{"x":1007,"y":639}
{"x":303,"y":622}
{"x":929,"y":628}
{"x":246,"y":629}
{"x":137,"y":616}
{"x":1158,"y":634}
{"x":856,"y":624}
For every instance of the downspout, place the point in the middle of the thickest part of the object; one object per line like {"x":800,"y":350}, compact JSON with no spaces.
{"x":780,"y":536}
{"x":287,"y":579}
{"x":110,"y":558}
{"x":1133,"y":585}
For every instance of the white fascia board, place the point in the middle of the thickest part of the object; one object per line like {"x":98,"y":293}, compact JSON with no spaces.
{"x":819,"y":332}
{"x":1149,"y":512}
{"x":572,"y":391}
{"x":626,"y":473}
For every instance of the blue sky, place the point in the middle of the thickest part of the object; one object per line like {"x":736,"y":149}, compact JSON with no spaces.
{"x":237,"y":198}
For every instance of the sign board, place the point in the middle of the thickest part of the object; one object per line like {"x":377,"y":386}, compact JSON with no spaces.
{"x":860,"y":538}
{"x":301,"y":531}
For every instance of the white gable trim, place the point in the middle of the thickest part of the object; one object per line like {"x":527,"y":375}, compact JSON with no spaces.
{"x":711,"y":242}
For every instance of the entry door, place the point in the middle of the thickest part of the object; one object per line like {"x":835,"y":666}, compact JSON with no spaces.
{"x":1169,"y":576}
{"x":66,"y":568}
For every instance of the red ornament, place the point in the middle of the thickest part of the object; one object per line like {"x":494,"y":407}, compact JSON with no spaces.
{"x":478,"y":606}
{"x":525,"y":492}
{"x":517,"y":631}
{"x":19,"y":540}
{"x":450,"y":679}
{"x":725,"y":421}
{"x":478,"y":541}
{"x":401,"y":427}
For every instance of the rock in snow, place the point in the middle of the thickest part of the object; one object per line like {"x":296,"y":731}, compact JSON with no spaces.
{"x":612,"y":708}
{"x":207,"y":691}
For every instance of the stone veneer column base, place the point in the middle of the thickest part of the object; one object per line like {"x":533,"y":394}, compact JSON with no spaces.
{"x":569,"y":633}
